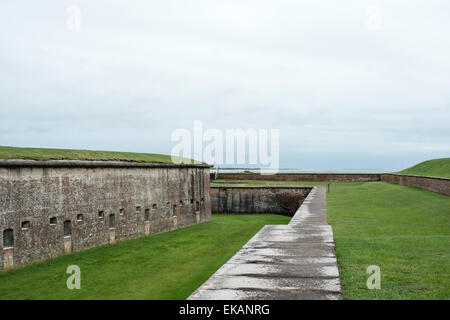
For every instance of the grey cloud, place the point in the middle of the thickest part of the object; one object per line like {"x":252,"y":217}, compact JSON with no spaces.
{"x":342,"y":95}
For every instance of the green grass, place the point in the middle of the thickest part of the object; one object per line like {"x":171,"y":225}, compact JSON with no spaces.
{"x":432,"y":168}
{"x":403,"y":230}
{"x":69,"y":154}
{"x":170,"y":265}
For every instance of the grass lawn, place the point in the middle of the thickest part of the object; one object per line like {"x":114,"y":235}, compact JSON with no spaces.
{"x":170,"y":265}
{"x":403,"y":230}
{"x":69,"y":154}
{"x":434,"y":168}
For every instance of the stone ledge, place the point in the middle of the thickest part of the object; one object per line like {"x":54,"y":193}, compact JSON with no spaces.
{"x":95,"y":164}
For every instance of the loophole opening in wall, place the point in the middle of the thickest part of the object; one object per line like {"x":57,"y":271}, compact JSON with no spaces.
{"x":197,"y":206}
{"x":112,"y":221}
{"x":67,"y":228}
{"x":147,"y":215}
{"x":8,"y":238}
{"x":174,"y":210}
{"x":25,"y":225}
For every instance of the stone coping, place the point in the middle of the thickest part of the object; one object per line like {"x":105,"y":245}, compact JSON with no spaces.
{"x":260,"y":187}
{"x":94,"y":164}
{"x":305,"y":173}
{"x":416,"y":176}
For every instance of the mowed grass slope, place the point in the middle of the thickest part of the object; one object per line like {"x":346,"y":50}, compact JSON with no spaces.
{"x":432,"y":168}
{"x":170,"y":265}
{"x":69,"y":154}
{"x":403,"y":230}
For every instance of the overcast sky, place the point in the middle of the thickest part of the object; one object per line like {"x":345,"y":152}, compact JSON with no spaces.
{"x":349,"y":84}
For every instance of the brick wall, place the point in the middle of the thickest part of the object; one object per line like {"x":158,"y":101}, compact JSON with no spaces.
{"x":343,"y":177}
{"x":281,"y":200}
{"x":435,"y":184}
{"x":36,"y":198}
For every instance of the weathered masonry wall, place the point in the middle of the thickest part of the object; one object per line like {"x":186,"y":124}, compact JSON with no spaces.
{"x":435,"y":184}
{"x":337,"y":177}
{"x":282,"y":200}
{"x":49,"y":208}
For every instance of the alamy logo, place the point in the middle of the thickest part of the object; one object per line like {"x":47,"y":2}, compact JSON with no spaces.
{"x":373,"y":21}
{"x":229,"y":147}
{"x":74,"y":281}
{"x":374,"y":281}
{"x":73,"y":21}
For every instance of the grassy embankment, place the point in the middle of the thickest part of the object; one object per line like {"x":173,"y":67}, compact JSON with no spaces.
{"x":432,"y":168}
{"x":71,"y":154}
{"x":170,"y":265}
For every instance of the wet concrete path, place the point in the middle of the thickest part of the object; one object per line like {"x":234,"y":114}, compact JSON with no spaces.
{"x":294,"y":261}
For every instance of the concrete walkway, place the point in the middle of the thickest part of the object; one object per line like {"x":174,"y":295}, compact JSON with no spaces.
{"x":294,"y":261}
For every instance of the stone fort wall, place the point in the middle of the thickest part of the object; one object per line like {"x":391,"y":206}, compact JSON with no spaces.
{"x":336,"y":177}
{"x":434,"y":184}
{"x":280,"y":200}
{"x":49,"y":208}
